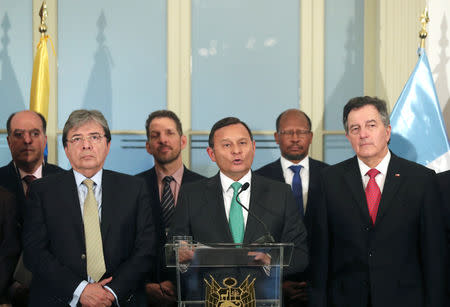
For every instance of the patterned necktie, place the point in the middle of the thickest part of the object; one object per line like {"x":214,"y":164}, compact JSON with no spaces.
{"x":236,"y":219}
{"x":94,"y":246}
{"x":373,"y":194}
{"x":28,"y":180}
{"x":297,"y":187}
{"x":167,"y":201}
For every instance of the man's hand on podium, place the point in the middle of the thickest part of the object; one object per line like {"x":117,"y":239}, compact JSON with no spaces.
{"x":260,"y":258}
{"x":185,"y":253}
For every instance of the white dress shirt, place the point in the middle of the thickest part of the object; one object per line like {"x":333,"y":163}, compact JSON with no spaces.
{"x":228,"y":192}
{"x":381,"y":167}
{"x":82,"y":193}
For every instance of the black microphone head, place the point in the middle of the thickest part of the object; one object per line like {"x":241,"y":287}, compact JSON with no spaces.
{"x":245,"y":186}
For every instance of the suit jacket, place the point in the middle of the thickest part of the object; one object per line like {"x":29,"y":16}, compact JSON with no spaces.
{"x":398,"y":261}
{"x":10,"y":179}
{"x":160,"y":228}
{"x":200,"y":213}
{"x":444,"y":185}
{"x":9,"y":239}
{"x":274,"y":171}
{"x":54,"y":243}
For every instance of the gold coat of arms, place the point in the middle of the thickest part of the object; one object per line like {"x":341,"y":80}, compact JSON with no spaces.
{"x":230,"y":295}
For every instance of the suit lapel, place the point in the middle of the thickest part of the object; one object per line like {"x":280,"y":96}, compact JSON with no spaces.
{"x":353,"y":179}
{"x":214,"y":197}
{"x":69,"y":186}
{"x":256,"y":198}
{"x":109,"y":196}
{"x":278,"y":171}
{"x":390,"y":188}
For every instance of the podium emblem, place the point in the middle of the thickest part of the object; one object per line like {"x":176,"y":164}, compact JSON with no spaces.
{"x":230,"y":295}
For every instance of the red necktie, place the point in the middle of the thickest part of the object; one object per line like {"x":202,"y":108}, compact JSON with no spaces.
{"x":373,"y":194}
{"x":28,"y":180}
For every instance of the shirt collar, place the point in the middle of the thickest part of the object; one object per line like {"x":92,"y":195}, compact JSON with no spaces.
{"x":285,"y":163}
{"x":178,"y":175}
{"x":97,"y":178}
{"x":37,"y":173}
{"x":381,"y":167}
{"x":227,"y":181}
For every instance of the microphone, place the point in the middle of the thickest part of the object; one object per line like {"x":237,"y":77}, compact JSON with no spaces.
{"x":267,"y":237}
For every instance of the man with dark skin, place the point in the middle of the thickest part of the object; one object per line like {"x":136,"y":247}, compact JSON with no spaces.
{"x":294,"y":136}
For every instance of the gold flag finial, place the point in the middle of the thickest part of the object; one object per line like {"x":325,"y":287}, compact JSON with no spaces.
{"x":43,"y":14}
{"x":424,"y":19}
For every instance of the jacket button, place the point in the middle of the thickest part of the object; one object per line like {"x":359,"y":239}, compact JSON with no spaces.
{"x":83,"y":256}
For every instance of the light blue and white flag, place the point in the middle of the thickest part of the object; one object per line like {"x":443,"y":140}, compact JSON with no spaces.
{"x":418,"y":128}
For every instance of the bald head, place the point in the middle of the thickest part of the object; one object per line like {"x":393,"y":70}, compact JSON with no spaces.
{"x":293,"y":134}
{"x":26,"y":139}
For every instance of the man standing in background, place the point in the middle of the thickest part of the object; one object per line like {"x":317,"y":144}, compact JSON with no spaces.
{"x":302,"y":173}
{"x":165,"y":140}
{"x":26,"y":141}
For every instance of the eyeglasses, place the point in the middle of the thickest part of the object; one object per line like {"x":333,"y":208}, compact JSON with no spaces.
{"x":298,"y":133}
{"x":93,"y":139}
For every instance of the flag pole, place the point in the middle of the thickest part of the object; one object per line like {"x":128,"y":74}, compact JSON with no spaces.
{"x":424,"y":19}
{"x":43,"y":14}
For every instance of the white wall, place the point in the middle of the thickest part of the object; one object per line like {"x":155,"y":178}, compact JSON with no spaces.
{"x":438,"y":51}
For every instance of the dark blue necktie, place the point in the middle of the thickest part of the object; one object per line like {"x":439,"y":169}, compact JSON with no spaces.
{"x":297,"y":187}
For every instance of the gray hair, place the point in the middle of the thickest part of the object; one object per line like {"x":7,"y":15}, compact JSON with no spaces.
{"x":80,"y":117}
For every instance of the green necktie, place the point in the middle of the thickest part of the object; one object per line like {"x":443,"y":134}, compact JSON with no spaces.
{"x":94,"y":246}
{"x":236,"y":219}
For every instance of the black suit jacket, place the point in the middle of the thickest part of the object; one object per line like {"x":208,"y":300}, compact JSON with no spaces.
{"x":151,"y":180}
{"x":444,"y":184}
{"x":9,"y":239}
{"x":399,"y":261}
{"x":274,"y":171}
{"x":10,"y":179}
{"x":200,"y":213}
{"x":54,"y":244}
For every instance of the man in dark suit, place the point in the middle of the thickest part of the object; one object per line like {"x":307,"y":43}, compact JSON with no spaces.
{"x":88,"y":234}
{"x":294,"y":136}
{"x":378,"y":236}
{"x":165,"y":140}
{"x":444,"y":185}
{"x":26,"y":140}
{"x":208,"y":210}
{"x":9,"y":241}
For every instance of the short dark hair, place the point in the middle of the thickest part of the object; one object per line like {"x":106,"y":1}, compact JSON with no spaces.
{"x":227,"y":121}
{"x":80,"y":117}
{"x":8,"y":122}
{"x":163,"y":113}
{"x":277,"y":124}
{"x":359,"y":102}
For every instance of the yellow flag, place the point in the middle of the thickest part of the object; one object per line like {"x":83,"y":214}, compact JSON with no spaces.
{"x":40,"y":82}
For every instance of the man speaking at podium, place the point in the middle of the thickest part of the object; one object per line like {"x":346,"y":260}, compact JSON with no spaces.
{"x":208,"y":210}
